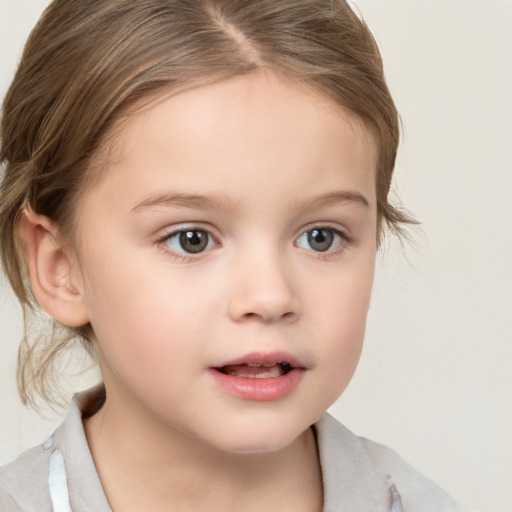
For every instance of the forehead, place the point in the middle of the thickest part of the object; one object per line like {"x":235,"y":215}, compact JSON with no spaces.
{"x":226,"y":134}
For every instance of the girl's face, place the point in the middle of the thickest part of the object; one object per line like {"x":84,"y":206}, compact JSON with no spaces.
{"x":226,"y":261}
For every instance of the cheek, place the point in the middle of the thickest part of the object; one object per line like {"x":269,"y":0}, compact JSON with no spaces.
{"x":341,"y":296}
{"x":146,"y":315}
{"x":342,"y":307}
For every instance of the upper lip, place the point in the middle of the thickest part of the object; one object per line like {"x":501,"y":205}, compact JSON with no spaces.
{"x":264,"y":358}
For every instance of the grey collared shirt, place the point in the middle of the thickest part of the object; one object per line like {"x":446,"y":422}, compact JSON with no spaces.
{"x":358,"y":475}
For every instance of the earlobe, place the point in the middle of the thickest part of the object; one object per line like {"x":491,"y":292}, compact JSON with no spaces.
{"x":54,"y":276}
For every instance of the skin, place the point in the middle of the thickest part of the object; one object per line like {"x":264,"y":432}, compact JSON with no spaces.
{"x":271,"y":160}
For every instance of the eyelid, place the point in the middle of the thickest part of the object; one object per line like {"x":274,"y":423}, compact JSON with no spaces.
{"x":169,"y":231}
{"x":333,"y":226}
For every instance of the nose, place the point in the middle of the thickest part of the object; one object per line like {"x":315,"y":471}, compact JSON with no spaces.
{"x":263,"y":289}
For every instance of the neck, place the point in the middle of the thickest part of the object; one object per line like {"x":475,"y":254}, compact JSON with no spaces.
{"x":167,"y":469}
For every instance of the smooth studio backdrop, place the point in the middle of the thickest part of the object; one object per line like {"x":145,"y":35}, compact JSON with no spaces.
{"x":435,"y":379}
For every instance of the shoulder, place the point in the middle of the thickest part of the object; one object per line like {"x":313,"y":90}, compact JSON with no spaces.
{"x":59,"y":474}
{"x":418,"y":493}
{"x":24,"y":482}
{"x":381,"y":474}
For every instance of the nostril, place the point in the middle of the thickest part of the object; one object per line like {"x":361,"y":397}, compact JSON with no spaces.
{"x":250,"y":315}
{"x":288,"y":316}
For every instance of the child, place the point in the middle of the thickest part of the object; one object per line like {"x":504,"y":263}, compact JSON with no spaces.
{"x":196,"y":189}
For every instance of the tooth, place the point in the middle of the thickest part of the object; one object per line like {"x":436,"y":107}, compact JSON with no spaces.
{"x":255,"y":372}
{"x":275,"y":372}
{"x":268,"y":365}
{"x":254,"y":364}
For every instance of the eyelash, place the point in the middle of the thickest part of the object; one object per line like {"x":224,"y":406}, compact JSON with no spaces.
{"x":344,"y":242}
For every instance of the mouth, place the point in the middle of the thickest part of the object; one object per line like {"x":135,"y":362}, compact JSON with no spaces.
{"x":259,"y":376}
{"x":257,"y":370}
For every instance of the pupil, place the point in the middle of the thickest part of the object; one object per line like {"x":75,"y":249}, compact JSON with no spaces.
{"x":194,"y":241}
{"x":320,"y":239}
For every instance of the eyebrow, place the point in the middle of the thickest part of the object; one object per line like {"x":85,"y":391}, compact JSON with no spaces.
{"x":214,"y":202}
{"x":335,"y":197}
{"x":192,"y":201}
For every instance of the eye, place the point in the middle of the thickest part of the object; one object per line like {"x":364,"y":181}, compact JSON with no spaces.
{"x":190,"y":241}
{"x":320,"y":239}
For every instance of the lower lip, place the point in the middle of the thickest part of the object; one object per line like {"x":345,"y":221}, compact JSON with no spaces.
{"x":261,"y":390}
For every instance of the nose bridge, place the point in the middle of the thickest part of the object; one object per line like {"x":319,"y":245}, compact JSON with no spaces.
{"x":263,"y":284}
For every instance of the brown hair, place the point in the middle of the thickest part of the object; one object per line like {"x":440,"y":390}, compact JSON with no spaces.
{"x":86,"y":61}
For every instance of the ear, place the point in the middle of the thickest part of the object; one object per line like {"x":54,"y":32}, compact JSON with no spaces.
{"x":56,"y":278}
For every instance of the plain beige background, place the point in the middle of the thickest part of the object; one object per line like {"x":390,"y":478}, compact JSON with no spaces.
{"x":435,"y":380}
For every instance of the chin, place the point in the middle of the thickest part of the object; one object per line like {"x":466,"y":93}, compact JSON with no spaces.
{"x":259,"y":438}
